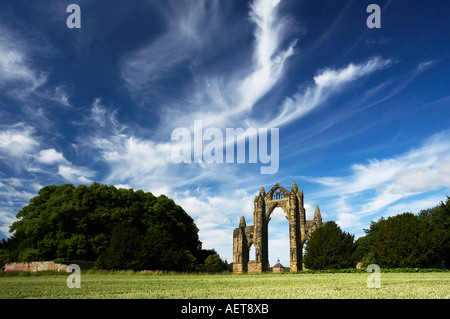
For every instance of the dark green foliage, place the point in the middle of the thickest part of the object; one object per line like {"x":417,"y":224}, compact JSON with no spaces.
{"x":4,"y":253}
{"x":437,"y":220}
{"x":161,"y":251}
{"x":396,"y":243}
{"x":217,"y":262}
{"x":408,"y":240}
{"x":121,"y":229}
{"x":123,"y":247}
{"x":203,"y":254}
{"x":213,"y":260}
{"x":329,"y":248}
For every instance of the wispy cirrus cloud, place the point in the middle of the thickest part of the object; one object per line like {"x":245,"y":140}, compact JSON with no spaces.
{"x":20,"y":142}
{"x":23,"y":151}
{"x":21,"y":76}
{"x":217,"y":98}
{"x":76,"y":175}
{"x":228,"y":99}
{"x":17,"y":76}
{"x":133,"y":159}
{"x":189,"y":29}
{"x":327,"y":82}
{"x":380,"y":184}
{"x":234,"y":96}
{"x":268,"y":57}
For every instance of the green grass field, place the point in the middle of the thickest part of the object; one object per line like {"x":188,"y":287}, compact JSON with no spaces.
{"x":227,"y":286}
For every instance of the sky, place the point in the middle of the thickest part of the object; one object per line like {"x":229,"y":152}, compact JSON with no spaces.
{"x":141,"y":96}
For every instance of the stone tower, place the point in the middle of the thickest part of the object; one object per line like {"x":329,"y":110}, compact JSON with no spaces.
{"x":257,"y":235}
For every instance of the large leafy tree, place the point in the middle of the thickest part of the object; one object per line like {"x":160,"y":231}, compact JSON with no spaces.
{"x":396,"y":242}
{"x":119,"y":225}
{"x":437,"y":226}
{"x":329,"y":248}
{"x":408,"y":240}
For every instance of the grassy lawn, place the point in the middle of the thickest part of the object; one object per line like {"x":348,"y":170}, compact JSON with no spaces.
{"x":227,"y":286}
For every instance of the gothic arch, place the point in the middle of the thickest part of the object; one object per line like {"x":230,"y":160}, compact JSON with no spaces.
{"x":244,"y":236}
{"x":271,"y":207}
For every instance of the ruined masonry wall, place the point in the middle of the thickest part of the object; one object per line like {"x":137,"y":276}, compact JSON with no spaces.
{"x":35,"y":266}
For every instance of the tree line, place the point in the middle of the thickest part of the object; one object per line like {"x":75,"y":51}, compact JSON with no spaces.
{"x":116,"y":228}
{"x":127,"y":229}
{"x":402,"y":241}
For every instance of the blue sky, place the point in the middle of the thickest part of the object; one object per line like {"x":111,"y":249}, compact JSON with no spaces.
{"x":363,"y":114}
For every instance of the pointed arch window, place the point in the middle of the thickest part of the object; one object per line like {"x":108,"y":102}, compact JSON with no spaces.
{"x":277,"y":194}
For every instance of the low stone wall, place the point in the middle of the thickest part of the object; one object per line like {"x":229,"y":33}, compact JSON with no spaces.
{"x":35,"y":266}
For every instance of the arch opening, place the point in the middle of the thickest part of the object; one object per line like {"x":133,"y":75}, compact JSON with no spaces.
{"x":278,"y":237}
{"x":251,"y":253}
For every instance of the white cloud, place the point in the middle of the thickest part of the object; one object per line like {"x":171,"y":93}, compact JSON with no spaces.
{"x":98,"y":112}
{"x":102,"y":116}
{"x":233,"y":97}
{"x":190,"y":28}
{"x":217,"y":209}
{"x":15,"y":182}
{"x":378,"y":184}
{"x":268,"y":62}
{"x":76,"y":174}
{"x":19,"y":76}
{"x":217,"y":98}
{"x":136,"y":161}
{"x":6,"y":220}
{"x":426,"y":178}
{"x":14,"y":66}
{"x":309,"y":211}
{"x":50,"y":156}
{"x":203,"y":212}
{"x":425,"y":65}
{"x":326,"y":82}
{"x":346,"y":220}
{"x":36,"y":186}
{"x":57,"y":94}
{"x":10,"y":193}
{"x":17,"y":140}
{"x":60,"y":95}
{"x":335,"y":78}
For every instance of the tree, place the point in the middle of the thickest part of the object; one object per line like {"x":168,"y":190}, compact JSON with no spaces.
{"x":4,"y":252}
{"x":408,"y":240}
{"x":363,"y":251}
{"x":437,"y":220}
{"x":329,"y":248}
{"x":160,"y":251}
{"x":123,"y":247}
{"x":396,"y":242}
{"x":99,"y":222}
{"x":202,"y":254}
{"x":215,"y":261}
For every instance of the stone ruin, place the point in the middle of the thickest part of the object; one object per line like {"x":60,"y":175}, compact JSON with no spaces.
{"x":245,"y":236}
